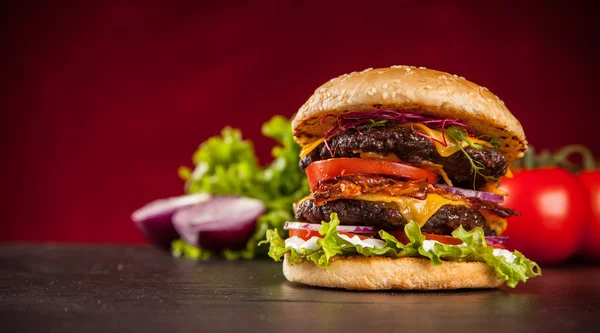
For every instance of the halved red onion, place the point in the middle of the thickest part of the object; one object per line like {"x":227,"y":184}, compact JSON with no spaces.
{"x":472,"y":193}
{"x":224,"y":222}
{"x":154,"y":219}
{"x":496,"y":240}
{"x":357,"y":229}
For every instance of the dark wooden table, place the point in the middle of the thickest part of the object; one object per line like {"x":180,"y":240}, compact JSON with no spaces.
{"x":74,"y":288}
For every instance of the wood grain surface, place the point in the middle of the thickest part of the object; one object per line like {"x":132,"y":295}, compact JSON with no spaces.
{"x":100,"y":288}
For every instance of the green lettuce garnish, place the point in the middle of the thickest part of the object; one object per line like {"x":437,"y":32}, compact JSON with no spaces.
{"x":227,"y":165}
{"x":474,"y":249}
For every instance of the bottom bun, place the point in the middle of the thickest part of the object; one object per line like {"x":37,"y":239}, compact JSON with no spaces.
{"x":381,"y":273}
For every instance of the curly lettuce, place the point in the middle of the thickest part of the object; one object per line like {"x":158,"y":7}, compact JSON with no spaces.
{"x":474,"y":248}
{"x":227,"y":165}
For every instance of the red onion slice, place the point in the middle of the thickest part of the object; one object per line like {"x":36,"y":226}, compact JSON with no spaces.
{"x":490,"y":240}
{"x":496,"y":240}
{"x":154,"y":219}
{"x":224,"y":222}
{"x":487,"y":196}
{"x":357,"y":229}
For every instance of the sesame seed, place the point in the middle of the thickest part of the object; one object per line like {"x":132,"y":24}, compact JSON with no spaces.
{"x":428,"y":87}
{"x":385,"y":95}
{"x":462,"y":77}
{"x":408,"y":69}
{"x":421,"y":80}
{"x":447,"y":82}
{"x":397,"y":66}
{"x":380,"y":72}
{"x":370,"y":92}
{"x":385,"y":86}
{"x":502,"y":102}
{"x":368,"y":69}
{"x":328,"y":94}
{"x":484,"y":88}
{"x":397,"y":81}
{"x":393,"y":93}
{"x":455,"y":75}
{"x":343,"y":92}
{"x":374,"y":90}
{"x":490,"y":100}
{"x":423,"y":67}
{"x":322,"y":90}
{"x":399,"y":90}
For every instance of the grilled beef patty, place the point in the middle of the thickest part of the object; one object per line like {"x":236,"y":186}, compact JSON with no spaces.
{"x":412,"y":148}
{"x":386,"y":216}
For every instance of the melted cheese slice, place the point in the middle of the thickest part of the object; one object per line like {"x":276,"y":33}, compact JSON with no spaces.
{"x":414,"y":209}
{"x":303,"y":200}
{"x":496,"y":223}
{"x":306,"y":149}
{"x":451,"y":147}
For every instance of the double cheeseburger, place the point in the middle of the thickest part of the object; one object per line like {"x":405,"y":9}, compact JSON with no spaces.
{"x":404,"y":165}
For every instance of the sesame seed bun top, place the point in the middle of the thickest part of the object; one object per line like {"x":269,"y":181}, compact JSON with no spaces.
{"x":417,"y":90}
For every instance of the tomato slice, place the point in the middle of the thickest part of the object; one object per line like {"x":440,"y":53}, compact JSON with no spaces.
{"x":328,"y":169}
{"x":401,"y":236}
{"x":307,"y":234}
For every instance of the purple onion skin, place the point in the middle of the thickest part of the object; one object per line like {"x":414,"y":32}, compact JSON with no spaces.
{"x":220,"y":223}
{"x":155,"y":219}
{"x":219,"y":240}
{"x":159,"y":231}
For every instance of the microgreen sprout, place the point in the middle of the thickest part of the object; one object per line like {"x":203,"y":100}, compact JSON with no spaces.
{"x":379,"y":118}
{"x":459,"y":136}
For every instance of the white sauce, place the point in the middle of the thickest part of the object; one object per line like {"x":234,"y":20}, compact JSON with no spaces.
{"x":311,"y":244}
{"x":428,"y":244}
{"x":294,"y":242}
{"x":298,"y":243}
{"x":369,"y":242}
{"x":509,"y":256}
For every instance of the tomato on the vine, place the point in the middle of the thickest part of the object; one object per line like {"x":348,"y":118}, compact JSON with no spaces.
{"x":590,"y":244}
{"x":553,"y":210}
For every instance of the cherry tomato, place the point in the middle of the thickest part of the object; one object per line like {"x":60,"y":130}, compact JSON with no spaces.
{"x":553,"y":210}
{"x":590,"y":244}
{"x":327,"y":169}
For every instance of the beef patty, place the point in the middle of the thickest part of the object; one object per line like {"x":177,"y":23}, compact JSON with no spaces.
{"x":386,"y":216}
{"x":412,"y":148}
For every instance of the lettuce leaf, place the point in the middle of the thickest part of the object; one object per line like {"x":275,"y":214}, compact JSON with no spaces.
{"x":473,"y":249}
{"x":227,"y":165}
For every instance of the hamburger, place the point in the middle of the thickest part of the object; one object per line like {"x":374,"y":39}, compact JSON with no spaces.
{"x":403,"y":165}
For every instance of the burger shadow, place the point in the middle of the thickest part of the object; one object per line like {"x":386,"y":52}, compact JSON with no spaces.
{"x":459,"y":303}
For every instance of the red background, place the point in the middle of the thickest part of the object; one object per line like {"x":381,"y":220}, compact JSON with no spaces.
{"x":104,"y":100}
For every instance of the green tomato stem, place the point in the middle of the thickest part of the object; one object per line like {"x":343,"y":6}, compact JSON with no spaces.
{"x":587,"y":158}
